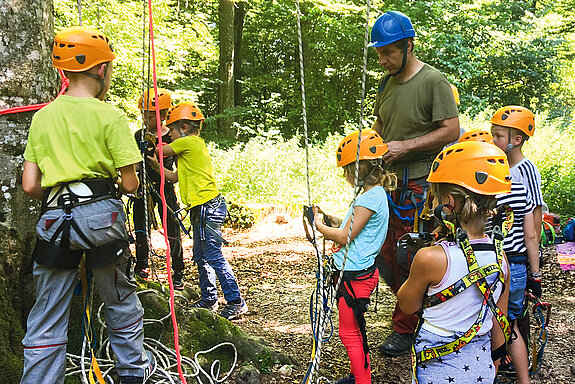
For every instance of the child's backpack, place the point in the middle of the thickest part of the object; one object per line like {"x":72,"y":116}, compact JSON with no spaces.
{"x":553,"y":219}
{"x":569,"y":230}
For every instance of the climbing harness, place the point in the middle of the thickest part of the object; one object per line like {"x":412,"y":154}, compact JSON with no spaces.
{"x":66,"y":196}
{"x":476,"y":277}
{"x":322,"y":299}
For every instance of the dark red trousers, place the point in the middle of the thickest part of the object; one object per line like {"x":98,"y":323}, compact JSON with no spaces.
{"x":389,"y":269}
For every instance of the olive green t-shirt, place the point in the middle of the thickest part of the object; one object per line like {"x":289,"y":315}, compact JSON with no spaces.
{"x":75,"y":138}
{"x":413,"y":109}
{"x":195,"y":171}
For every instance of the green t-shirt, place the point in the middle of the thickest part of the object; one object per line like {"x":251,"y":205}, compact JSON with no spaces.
{"x":195,"y":171}
{"x":413,"y":109}
{"x":75,"y":138}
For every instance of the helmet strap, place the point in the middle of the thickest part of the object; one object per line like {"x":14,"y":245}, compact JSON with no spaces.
{"x":404,"y":61}
{"x":102,"y":80}
{"x":182,"y":134}
{"x":442,"y":217}
{"x":510,"y":146}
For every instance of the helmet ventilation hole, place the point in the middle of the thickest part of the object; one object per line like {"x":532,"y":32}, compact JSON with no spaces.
{"x":481,"y":177}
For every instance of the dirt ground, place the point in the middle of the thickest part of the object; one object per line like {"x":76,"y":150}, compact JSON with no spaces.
{"x":275,"y":268}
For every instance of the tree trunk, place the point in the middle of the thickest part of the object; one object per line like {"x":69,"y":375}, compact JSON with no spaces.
{"x":239,"y":16}
{"x":226,"y":68}
{"x":26,"y":77}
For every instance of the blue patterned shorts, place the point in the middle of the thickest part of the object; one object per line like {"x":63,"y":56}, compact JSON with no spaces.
{"x":472,"y":364}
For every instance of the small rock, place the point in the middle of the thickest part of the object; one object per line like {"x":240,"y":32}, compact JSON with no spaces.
{"x":248,"y":375}
{"x":285,"y":370}
{"x":573,"y":369}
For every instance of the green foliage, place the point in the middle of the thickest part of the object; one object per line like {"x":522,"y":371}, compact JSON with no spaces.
{"x":239,"y":216}
{"x":496,"y":53}
{"x":548,"y":149}
{"x":274,"y":171}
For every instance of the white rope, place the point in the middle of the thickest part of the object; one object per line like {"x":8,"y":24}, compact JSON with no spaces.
{"x":80,"y":13}
{"x":325,"y":320}
{"x":166,"y":371}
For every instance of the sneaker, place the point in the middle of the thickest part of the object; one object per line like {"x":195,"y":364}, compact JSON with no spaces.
{"x":349,"y":379}
{"x":177,"y":281}
{"x":396,"y":344}
{"x":232,"y":310}
{"x":142,"y":273}
{"x":148,"y":372}
{"x":211,"y":305}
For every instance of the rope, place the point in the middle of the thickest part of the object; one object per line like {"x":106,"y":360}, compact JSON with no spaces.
{"x":35,"y":107}
{"x":162,"y":194}
{"x":80,"y":13}
{"x":325,"y":319}
{"x":166,"y":358}
{"x":145,"y":107}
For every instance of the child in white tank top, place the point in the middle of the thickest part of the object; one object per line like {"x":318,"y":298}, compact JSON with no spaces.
{"x":456,"y":337}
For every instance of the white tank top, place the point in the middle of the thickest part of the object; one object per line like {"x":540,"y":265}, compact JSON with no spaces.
{"x":460,"y":312}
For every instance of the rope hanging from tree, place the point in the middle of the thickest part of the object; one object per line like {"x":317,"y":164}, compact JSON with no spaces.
{"x":80,"y":13}
{"x":324,"y":316}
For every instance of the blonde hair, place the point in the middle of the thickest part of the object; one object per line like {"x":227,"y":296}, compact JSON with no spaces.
{"x":476,"y":208}
{"x":373,"y":174}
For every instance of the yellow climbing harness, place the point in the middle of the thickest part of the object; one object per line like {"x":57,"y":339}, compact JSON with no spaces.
{"x":476,"y":277}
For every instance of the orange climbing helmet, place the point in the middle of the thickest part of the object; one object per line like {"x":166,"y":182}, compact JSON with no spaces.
{"x":149,"y":100}
{"x":372,"y":147}
{"x":480,"y":167}
{"x":78,"y":49}
{"x":184,"y":111}
{"x":477,"y":135}
{"x":514,"y":116}
{"x":455,"y":93}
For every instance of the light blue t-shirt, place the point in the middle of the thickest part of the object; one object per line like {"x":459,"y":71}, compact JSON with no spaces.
{"x":365,"y":247}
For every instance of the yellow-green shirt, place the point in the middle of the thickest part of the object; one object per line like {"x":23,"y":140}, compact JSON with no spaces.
{"x":75,"y":138}
{"x":195,"y":171}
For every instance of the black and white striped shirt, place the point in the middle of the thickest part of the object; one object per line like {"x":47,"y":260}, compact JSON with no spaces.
{"x":526,"y":173}
{"x":519,"y":202}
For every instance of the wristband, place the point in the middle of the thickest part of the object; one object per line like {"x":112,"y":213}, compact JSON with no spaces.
{"x":535,"y":275}
{"x":498,"y":353}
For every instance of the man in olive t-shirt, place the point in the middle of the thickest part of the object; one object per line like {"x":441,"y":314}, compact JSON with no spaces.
{"x":416,"y":116}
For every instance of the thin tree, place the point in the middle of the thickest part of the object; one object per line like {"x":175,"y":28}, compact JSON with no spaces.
{"x":226,"y":67}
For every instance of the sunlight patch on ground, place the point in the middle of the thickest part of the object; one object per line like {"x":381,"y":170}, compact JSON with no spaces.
{"x":297,"y":287}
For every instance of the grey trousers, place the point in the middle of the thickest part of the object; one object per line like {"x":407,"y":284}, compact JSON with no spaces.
{"x":47,"y":326}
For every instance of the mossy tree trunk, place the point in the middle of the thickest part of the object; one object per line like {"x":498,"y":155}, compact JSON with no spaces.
{"x":26,"y":77}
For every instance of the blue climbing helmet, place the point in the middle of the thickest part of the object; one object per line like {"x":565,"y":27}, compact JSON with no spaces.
{"x":390,"y":27}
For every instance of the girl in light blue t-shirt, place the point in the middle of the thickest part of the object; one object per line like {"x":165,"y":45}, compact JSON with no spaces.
{"x":371,"y":217}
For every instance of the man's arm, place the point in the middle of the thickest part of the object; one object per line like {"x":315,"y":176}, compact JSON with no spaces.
{"x":447,"y":132}
{"x":32,"y":180}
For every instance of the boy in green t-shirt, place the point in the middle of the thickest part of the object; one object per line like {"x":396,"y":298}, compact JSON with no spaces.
{"x":198,"y":191}
{"x":79,"y":153}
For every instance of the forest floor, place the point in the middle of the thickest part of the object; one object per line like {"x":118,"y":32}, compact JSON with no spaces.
{"x":275,"y":268}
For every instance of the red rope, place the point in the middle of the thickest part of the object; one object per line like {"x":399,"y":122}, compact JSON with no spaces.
{"x":163,"y":197}
{"x":35,"y":107}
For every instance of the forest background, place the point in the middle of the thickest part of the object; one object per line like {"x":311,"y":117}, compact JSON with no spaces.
{"x":496,"y":53}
